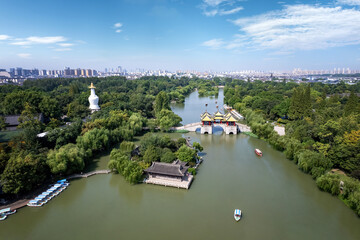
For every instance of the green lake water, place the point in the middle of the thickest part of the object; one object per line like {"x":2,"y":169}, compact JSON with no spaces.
{"x":277,"y":200}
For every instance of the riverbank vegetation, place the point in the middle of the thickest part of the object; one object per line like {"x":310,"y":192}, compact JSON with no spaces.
{"x":128,"y":108}
{"x":322,"y":128}
{"x":130,"y":160}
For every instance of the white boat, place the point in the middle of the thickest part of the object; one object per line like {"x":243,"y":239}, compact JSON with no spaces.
{"x":2,"y":216}
{"x":4,"y":212}
{"x":35,"y":203}
{"x":237,"y":214}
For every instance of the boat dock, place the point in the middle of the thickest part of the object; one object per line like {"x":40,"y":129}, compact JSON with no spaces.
{"x":23,"y":202}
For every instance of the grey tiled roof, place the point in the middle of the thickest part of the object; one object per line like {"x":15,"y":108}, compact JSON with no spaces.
{"x":13,"y":120}
{"x":172,"y":169}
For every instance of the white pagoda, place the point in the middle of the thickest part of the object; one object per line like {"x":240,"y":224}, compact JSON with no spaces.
{"x":93,"y":99}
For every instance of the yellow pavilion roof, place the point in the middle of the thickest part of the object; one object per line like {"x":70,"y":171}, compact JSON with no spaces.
{"x":206,"y":119}
{"x":219,"y":114}
{"x":205,"y":114}
{"x":231,"y":119}
{"x":228,"y":114}
{"x":218,"y":118}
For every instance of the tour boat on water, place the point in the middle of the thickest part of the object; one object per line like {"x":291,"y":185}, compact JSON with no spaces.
{"x":258,"y":152}
{"x":237,"y":214}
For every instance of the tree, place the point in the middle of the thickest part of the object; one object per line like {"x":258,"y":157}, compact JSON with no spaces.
{"x":61,"y":136}
{"x":152,"y":154}
{"x":127,"y":147}
{"x":31,"y":125}
{"x":186,"y":154}
{"x":29,"y":119}
{"x":77,"y":110}
{"x":24,"y":172}
{"x":95,"y":140}
{"x":167,"y":119}
{"x":68,"y":159}
{"x":352,"y":105}
{"x":136,"y":122}
{"x":120,"y":162}
{"x":4,"y":158}
{"x":313,"y":162}
{"x":2,"y":123}
{"x":197,"y":147}
{"x":50,"y":107}
{"x":167,"y":156}
{"x":161,"y":102}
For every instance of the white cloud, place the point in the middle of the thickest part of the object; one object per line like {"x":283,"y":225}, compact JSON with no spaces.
{"x":349,"y":2}
{"x":211,"y":13}
{"x":214,"y":2}
{"x":62,"y":49}
{"x":46,"y":40}
{"x":302,"y":27}
{"x":4,"y":37}
{"x":24,"y":55}
{"x":66,"y":44}
{"x":220,"y":7}
{"x":20,"y":43}
{"x":118,"y":25}
{"x":214,"y":43}
{"x":231,"y":11}
{"x":39,"y":40}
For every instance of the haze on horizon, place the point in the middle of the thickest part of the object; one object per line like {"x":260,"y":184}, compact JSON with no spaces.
{"x":217,"y":35}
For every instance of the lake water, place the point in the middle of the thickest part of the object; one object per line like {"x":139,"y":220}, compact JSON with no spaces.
{"x":278,"y":201}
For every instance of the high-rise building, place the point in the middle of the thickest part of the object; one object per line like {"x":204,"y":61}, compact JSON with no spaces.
{"x":67,"y":71}
{"x":88,"y":72}
{"x":77,"y":72}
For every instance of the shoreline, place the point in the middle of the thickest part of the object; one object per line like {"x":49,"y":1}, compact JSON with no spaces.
{"x":23,"y":201}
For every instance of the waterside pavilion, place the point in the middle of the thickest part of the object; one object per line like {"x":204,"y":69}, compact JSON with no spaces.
{"x":169,"y":174}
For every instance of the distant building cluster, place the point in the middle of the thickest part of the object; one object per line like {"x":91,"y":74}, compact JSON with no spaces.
{"x":19,"y":75}
{"x":298,"y":71}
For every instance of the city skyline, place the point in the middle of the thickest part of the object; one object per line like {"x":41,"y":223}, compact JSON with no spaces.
{"x":212,"y":35}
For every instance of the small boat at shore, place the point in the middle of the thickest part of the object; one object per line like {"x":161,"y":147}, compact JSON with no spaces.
{"x":237,"y":214}
{"x":5,"y":212}
{"x":258,"y":152}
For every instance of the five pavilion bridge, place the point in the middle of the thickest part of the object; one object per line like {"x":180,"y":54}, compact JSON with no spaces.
{"x":228,"y":122}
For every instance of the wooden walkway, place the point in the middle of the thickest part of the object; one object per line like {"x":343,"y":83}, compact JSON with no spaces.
{"x":89,"y":174}
{"x":23,"y":202}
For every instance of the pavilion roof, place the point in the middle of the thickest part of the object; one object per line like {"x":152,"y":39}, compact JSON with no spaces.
{"x":219,"y":118}
{"x":177,"y":168}
{"x":228,"y":114}
{"x":206,"y":118}
{"x":205,"y":114}
{"x":218,"y":114}
{"x":231,"y":119}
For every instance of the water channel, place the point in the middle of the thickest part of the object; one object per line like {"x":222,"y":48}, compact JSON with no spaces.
{"x":278,"y":201}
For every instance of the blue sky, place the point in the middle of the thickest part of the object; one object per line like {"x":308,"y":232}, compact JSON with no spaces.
{"x":218,"y":35}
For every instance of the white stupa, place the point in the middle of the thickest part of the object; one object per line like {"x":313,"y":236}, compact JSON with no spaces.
{"x":93,"y":99}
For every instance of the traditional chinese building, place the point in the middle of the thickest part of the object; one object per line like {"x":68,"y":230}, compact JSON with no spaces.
{"x":227,"y":122}
{"x":206,"y":123}
{"x":169,"y":174}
